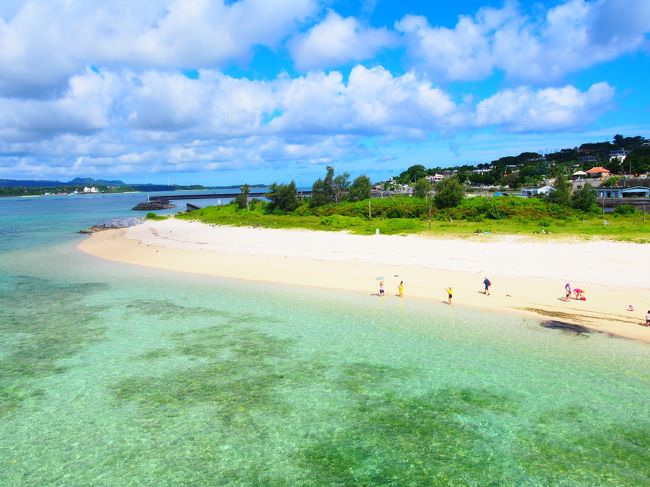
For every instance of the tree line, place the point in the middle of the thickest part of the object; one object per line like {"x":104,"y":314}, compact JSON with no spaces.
{"x":530,"y":168}
{"x":334,"y":189}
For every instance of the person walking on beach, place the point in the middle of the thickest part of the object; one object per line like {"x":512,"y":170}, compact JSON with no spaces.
{"x":567,"y":291}
{"x":647,"y":318}
{"x":381,"y":288}
{"x":400,"y":289}
{"x":487,"y":284}
{"x":450,"y":293}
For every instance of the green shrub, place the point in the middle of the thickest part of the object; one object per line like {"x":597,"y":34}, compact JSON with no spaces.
{"x":625,"y":210}
{"x":584,"y":199}
{"x":398,"y":225}
{"x":283,"y":197}
{"x":338,"y":222}
{"x":360,"y":189}
{"x":449,"y":193}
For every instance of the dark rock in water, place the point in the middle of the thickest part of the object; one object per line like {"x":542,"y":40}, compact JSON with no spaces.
{"x":114,"y":223}
{"x":153,"y":205}
{"x":567,"y":327}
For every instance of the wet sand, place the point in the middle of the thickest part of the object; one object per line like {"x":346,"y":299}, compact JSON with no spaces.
{"x":527,"y":275}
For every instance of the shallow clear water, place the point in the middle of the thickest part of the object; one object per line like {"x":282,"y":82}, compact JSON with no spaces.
{"x":116,"y":375}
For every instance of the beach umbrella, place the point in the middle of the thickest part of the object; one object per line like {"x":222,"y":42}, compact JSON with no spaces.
{"x":379,"y":278}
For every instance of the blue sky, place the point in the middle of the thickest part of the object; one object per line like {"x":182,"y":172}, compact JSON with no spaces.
{"x":226,"y":92}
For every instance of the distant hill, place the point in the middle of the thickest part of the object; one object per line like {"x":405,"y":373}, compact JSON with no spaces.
{"x":97,"y":182}
{"x":40,"y":183}
{"x":29,"y":183}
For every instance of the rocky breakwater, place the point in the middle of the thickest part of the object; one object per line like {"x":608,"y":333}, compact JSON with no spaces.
{"x":153,"y":205}
{"x":112,"y":224}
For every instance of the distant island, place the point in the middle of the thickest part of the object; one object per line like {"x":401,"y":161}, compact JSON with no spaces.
{"x":34,"y":187}
{"x":29,"y":187}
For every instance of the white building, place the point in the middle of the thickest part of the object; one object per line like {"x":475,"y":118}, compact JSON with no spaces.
{"x":620,"y":155}
{"x":435,"y":178}
{"x":530,"y":192}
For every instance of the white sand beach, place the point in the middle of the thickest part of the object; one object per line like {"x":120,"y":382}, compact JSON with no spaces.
{"x":527,"y":275}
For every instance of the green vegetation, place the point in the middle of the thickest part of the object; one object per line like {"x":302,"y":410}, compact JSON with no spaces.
{"x":335,"y":189}
{"x":584,"y":199}
{"x":422,"y":188}
{"x":403,"y":214}
{"x":360,"y":189}
{"x":531,"y":168}
{"x":331,"y":189}
{"x":153,"y":216}
{"x":338,"y":204}
{"x":36,"y":191}
{"x":561,"y":193}
{"x":449,"y":193}
{"x":283,"y":197}
{"x":624,"y":210}
{"x":9,"y":187}
{"x":242,"y":198}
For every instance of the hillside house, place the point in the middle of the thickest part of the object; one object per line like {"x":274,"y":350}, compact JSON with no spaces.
{"x":598,"y":172}
{"x":633,"y":192}
{"x":620,"y":154}
{"x":532,"y":192}
{"x":435,"y":178}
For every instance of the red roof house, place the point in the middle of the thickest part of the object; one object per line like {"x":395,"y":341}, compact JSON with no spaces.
{"x":598,"y":172}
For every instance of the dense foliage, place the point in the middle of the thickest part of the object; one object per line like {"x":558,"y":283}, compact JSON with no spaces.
{"x":322,"y":191}
{"x":241,"y":200}
{"x":422,"y":188}
{"x":283,"y":197}
{"x":360,"y":189}
{"x":403,"y":214}
{"x":584,"y":198}
{"x":530,"y":168}
{"x":335,"y":189}
{"x":338,"y":204}
{"x":561,"y":193}
{"x":449,"y":193}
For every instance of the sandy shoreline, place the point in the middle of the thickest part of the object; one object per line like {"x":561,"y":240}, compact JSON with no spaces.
{"x":527,"y":276}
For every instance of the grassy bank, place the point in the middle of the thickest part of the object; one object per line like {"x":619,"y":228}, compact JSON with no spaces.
{"x":402,"y":215}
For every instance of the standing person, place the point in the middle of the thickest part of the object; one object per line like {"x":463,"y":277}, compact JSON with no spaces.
{"x":647,"y":318}
{"x":381,"y":288}
{"x":450,"y":293}
{"x":400,"y":289}
{"x":567,"y":291}
{"x":487,"y":284}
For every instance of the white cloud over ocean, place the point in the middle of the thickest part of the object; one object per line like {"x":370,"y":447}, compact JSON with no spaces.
{"x":137,"y":119}
{"x":99,"y":88}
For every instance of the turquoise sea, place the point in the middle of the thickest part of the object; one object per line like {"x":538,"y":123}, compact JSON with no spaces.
{"x":115,"y":375}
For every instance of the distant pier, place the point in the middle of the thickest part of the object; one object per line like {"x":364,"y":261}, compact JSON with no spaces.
{"x":213,"y":196}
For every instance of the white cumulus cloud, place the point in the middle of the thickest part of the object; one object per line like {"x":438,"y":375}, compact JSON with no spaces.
{"x":44,"y":43}
{"x":337,"y":41}
{"x":573,"y":35}
{"x":524,"y":109}
{"x":374,"y":101}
